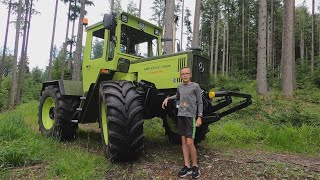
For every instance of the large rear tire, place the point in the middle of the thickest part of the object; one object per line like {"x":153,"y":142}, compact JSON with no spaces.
{"x":55,"y":114}
{"x":121,"y":120}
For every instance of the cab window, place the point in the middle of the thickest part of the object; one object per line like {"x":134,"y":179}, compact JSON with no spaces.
{"x":97,"y":44}
{"x":137,"y":43}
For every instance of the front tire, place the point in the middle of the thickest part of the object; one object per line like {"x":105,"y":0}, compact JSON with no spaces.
{"x":121,"y":120}
{"x":55,"y":114}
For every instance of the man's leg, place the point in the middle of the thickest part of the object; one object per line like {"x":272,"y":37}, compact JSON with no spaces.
{"x":185,"y":150}
{"x":192,"y":151}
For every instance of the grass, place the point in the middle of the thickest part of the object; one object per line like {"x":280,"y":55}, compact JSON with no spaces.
{"x":22,"y":146}
{"x":271,"y":123}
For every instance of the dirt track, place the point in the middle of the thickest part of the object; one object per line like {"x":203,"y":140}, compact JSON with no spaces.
{"x":162,"y":160}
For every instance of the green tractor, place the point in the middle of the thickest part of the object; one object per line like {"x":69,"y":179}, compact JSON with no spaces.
{"x":123,"y":83}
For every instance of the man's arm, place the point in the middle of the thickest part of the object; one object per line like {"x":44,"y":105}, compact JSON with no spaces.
{"x":199,"y":105}
{"x":174,"y":97}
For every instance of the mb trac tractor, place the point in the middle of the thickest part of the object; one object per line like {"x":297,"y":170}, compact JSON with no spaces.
{"x":124,"y":83}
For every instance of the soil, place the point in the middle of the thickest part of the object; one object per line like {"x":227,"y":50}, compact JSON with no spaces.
{"x":162,"y":160}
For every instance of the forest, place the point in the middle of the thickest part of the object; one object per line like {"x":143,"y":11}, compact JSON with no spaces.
{"x":267,"y":48}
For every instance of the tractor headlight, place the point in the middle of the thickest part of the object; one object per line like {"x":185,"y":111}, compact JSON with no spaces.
{"x":156,"y":32}
{"x":124,"y":18}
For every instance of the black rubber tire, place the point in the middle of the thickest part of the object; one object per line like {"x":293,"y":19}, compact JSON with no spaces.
{"x":65,"y":107}
{"x":173,"y":135}
{"x":124,"y":116}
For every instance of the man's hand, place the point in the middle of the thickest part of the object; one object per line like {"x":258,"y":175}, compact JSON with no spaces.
{"x":165,"y":103}
{"x":199,"y":122}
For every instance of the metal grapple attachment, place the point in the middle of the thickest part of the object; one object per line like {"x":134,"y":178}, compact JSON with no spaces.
{"x":211,"y":111}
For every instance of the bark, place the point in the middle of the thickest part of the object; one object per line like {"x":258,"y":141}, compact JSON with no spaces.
{"x":196,"y":22}
{"x":52,"y":40}
{"x":271,"y":47}
{"x":140,"y":3}
{"x":242,"y":36}
{"x":65,"y":45}
{"x":23,"y":56}
{"x":182,"y":16}
{"x":227,"y":53}
{"x":287,"y":55}
{"x":302,"y":46}
{"x":169,"y":23}
{"x":2,"y":62}
{"x":212,"y":47}
{"x":312,"y":38}
{"x":224,"y":43}
{"x":217,"y":48}
{"x":262,"y":88}
{"x":72,"y":39}
{"x":248,"y":40}
{"x":15,"y":57}
{"x":77,"y":59}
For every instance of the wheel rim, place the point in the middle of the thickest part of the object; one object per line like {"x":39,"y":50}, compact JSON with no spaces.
{"x":104,"y":123}
{"x":48,"y":113}
{"x":172,"y":124}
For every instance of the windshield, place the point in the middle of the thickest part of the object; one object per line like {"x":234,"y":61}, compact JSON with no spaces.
{"x":138,"y":43}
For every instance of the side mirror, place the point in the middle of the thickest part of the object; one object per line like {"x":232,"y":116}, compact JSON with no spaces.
{"x":108,"y":21}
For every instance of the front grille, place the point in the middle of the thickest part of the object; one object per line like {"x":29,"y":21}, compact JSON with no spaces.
{"x":201,"y":71}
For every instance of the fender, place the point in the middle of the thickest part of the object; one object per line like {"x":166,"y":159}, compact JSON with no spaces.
{"x":66,"y":87}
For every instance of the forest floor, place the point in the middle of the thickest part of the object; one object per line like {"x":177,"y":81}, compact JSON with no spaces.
{"x":162,"y":160}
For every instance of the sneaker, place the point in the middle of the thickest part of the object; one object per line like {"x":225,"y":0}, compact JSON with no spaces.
{"x":184,"y":171}
{"x":195,"y":172}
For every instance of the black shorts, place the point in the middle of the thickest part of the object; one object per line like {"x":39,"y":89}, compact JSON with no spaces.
{"x":187,"y":126}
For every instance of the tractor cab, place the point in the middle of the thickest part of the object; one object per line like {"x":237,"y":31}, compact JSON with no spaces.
{"x":115,"y":42}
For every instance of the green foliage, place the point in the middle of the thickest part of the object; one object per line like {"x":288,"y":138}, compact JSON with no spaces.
{"x":272,"y":122}
{"x":132,"y":8}
{"x":22,"y":145}
{"x":187,"y":23}
{"x":97,"y":49}
{"x":263,"y":135}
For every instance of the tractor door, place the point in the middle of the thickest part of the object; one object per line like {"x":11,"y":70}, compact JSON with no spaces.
{"x":96,"y":53}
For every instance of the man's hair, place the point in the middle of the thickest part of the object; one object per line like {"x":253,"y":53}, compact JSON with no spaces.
{"x":185,"y":68}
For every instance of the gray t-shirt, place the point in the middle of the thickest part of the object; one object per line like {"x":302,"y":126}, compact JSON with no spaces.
{"x":189,"y":100}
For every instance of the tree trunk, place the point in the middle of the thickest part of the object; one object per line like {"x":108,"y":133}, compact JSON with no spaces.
{"x":52,"y":40}
{"x":72,"y":38}
{"x":169,"y":23}
{"x":312,"y":38}
{"x":287,"y":55}
{"x":140,"y":3}
{"x":224,"y":42}
{"x":65,"y":45}
{"x":227,"y":54}
{"x":271,"y":47}
{"x":112,"y":6}
{"x":15,"y":58}
{"x":262,"y":87}
{"x":181,"y":38}
{"x":212,"y":46}
{"x":242,"y":36}
{"x":2,"y":62}
{"x":196,"y":22}
{"x":77,"y":59}
{"x":217,"y":48}
{"x":23,"y":56}
{"x":248,"y":38}
{"x":302,"y":46}
{"x":268,"y":39}
{"x":26,"y":50}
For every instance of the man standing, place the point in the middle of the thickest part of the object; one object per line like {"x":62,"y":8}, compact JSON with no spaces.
{"x":190,"y":106}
